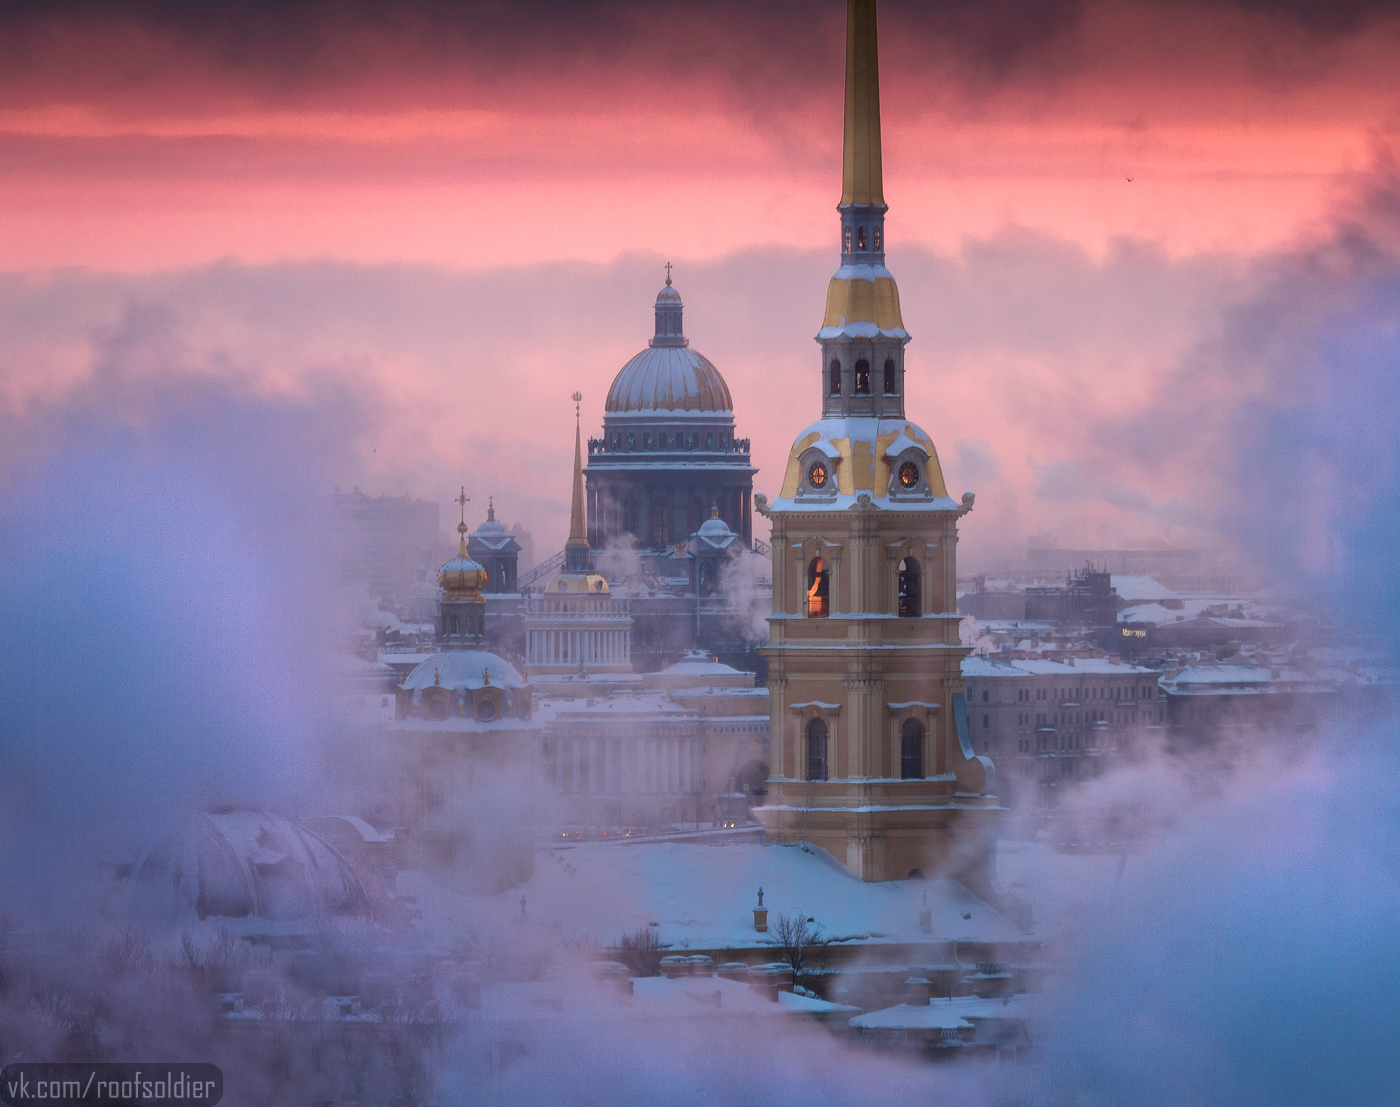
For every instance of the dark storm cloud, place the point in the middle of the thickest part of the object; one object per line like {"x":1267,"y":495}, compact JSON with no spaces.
{"x":283,"y":46}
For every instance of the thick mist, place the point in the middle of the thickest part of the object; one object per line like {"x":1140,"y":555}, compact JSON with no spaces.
{"x":166,"y":605}
{"x":168,"y":621}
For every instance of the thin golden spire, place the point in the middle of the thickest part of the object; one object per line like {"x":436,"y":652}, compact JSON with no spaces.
{"x":862,"y":181}
{"x":462,"y":500}
{"x":578,"y":529}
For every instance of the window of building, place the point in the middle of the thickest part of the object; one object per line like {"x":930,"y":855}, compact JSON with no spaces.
{"x":986,"y":722}
{"x":862,"y":377}
{"x":816,"y":750}
{"x":911,"y":750}
{"x":860,"y":238}
{"x":846,"y":240}
{"x":646,"y":441}
{"x":910,"y":600}
{"x":486,"y":711}
{"x":986,"y":696}
{"x":878,"y":237}
{"x":817,"y":589}
{"x":834,"y":377}
{"x":710,"y":441}
{"x":659,"y":535}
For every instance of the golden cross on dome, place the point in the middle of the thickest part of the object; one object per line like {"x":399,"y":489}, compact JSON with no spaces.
{"x":668,"y":274}
{"x":463,"y":499}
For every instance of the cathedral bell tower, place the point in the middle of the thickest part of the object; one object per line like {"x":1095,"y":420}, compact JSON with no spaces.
{"x":872,"y":758}
{"x":461,"y":606}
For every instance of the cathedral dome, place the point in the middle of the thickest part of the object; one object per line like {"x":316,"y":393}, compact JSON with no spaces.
{"x":668,"y":375}
{"x":669,"y":379}
{"x":458,"y":669}
{"x":462,"y":574}
{"x":243,"y":864}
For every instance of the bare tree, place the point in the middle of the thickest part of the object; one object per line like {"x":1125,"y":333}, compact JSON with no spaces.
{"x":802,"y":943}
{"x":642,"y":951}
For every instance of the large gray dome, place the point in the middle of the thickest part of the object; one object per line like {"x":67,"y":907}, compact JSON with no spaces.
{"x":243,"y":864}
{"x":669,"y":378}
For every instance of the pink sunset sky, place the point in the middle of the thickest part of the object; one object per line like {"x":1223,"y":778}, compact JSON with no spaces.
{"x":457,"y":215}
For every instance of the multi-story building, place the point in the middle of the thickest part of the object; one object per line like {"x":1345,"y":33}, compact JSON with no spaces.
{"x":1211,"y":703}
{"x":1048,"y":722}
{"x":387,"y":543}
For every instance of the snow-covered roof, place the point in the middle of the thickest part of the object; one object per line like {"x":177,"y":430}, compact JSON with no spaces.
{"x":944,"y":1013}
{"x":1136,"y":589}
{"x":1241,"y":679}
{"x":1153,"y":613}
{"x":653,"y":997}
{"x":982,"y":667}
{"x":458,"y":669}
{"x":702,"y":897}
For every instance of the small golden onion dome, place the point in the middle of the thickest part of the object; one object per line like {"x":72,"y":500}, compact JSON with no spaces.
{"x":462,"y":576}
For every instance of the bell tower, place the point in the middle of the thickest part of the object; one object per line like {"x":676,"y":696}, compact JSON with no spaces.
{"x":872,"y":756}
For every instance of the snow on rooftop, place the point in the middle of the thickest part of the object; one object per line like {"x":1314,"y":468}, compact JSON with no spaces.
{"x":653,"y":997}
{"x":981,"y":667}
{"x":702,"y":897}
{"x":1135,"y":589}
{"x":945,"y":1013}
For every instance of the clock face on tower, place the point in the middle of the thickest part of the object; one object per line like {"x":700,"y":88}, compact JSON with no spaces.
{"x":817,"y":475}
{"x":908,"y":474}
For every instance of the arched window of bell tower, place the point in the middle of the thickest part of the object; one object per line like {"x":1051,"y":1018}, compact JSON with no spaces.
{"x":891,"y":377}
{"x":846,"y":240}
{"x":862,"y":377}
{"x":816,"y":750}
{"x":860,"y":238}
{"x":910,"y":602}
{"x":818,"y":585}
{"x":834,"y":385}
{"x":911,"y":750}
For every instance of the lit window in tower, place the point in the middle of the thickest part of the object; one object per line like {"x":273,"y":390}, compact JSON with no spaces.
{"x":860,"y":238}
{"x":877,"y":239}
{"x":817,"y":589}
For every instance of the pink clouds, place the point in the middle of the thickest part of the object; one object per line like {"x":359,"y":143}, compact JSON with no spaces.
{"x":137,"y":144}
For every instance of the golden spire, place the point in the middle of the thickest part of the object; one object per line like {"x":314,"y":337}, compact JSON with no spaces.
{"x":861,"y":179}
{"x":578,"y":530}
{"x":462,"y":500}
